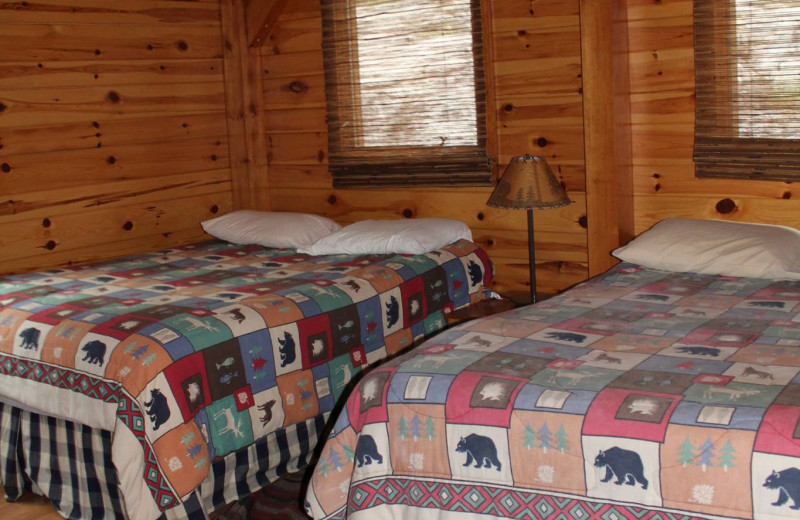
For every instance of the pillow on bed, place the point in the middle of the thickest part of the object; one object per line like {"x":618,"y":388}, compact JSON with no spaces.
{"x":270,"y":229}
{"x":408,"y":236}
{"x":717,"y":247}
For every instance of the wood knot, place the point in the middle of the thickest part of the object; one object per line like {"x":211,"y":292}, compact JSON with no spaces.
{"x":583,"y":221}
{"x":508,"y":107}
{"x":182,"y":45}
{"x":407,"y":213}
{"x":332,"y":199}
{"x":541,"y":142}
{"x":213,"y":157}
{"x":111,"y":159}
{"x":320,"y":156}
{"x":98,"y":52}
{"x":113,"y":96}
{"x":214,"y":209}
{"x":787,"y":195}
{"x":46,"y":222}
{"x":481,"y":216}
{"x":725,"y":206}
{"x":2,"y":107}
{"x":490,"y":242}
{"x":5,"y":167}
{"x":127,"y":226}
{"x":298,"y":87}
{"x":95,"y":124}
{"x":50,"y":245}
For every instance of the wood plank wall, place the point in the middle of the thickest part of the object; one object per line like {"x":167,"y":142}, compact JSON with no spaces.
{"x":662,"y":106}
{"x":536,"y":72}
{"x":113,"y":132}
{"x":114,"y":138}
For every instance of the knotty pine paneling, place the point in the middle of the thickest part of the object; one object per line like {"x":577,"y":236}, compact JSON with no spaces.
{"x":55,"y":42}
{"x":65,"y":74}
{"x":536,"y":73}
{"x":113,"y":128}
{"x":30,"y":107}
{"x":28,"y":173}
{"x":662,"y":115}
{"x":155,"y":128}
{"x":111,"y":12}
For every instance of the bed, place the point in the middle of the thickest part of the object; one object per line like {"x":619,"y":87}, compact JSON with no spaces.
{"x":646,"y":392}
{"x":168,"y":384}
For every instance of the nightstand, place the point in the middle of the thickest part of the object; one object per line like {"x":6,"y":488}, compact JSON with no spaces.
{"x":479,"y":310}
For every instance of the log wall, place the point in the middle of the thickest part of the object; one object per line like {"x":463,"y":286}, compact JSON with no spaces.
{"x":535,"y":70}
{"x":113,"y":130}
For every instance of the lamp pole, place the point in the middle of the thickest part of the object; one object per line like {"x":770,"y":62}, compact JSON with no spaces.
{"x":531,"y":256}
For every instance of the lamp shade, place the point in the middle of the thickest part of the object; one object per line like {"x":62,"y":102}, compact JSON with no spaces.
{"x":528,"y":183}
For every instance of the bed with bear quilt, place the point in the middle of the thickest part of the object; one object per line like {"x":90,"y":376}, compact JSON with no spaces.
{"x":639,"y":394}
{"x":202,"y":372}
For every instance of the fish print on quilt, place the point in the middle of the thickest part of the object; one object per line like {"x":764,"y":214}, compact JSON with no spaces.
{"x":206,"y":348}
{"x":670,"y":391}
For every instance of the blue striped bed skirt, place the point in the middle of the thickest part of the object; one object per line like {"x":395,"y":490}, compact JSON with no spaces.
{"x":71,"y":465}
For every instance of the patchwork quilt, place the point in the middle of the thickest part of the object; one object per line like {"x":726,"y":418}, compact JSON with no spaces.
{"x":639,"y":394}
{"x":190,"y":354}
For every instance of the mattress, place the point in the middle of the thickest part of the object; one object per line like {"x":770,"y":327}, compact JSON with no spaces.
{"x":638,"y":394}
{"x":193,"y":354}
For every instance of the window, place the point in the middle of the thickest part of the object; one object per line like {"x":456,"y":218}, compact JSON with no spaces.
{"x":405,"y":93}
{"x":747,"y":67}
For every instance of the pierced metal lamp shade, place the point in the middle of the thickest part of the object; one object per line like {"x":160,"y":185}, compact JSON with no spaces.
{"x":528,"y":183}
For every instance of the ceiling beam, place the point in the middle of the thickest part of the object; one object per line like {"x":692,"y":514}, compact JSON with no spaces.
{"x":261,"y":16}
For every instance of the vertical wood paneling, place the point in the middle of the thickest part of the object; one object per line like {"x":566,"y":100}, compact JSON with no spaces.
{"x":605,"y":119}
{"x":534,"y":69}
{"x":113,"y":136}
{"x":245,"y":108}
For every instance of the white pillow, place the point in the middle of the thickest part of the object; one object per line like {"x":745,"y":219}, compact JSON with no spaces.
{"x":408,"y":236}
{"x":270,"y":229}
{"x":717,"y":247}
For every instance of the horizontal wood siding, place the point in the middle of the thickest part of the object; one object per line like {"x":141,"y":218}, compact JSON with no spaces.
{"x":113,"y":131}
{"x":662,"y":107}
{"x":536,"y":73}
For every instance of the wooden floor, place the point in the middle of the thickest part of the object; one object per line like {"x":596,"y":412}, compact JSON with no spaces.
{"x":29,"y":507}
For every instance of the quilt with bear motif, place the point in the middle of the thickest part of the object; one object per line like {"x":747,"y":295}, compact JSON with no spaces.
{"x":638,"y":394}
{"x":190,"y":354}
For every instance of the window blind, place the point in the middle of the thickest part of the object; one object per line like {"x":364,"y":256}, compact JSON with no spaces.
{"x":747,"y":68}
{"x":405,"y":93}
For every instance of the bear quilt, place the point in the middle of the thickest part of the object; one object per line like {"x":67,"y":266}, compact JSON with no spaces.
{"x":638,"y":394}
{"x":193,"y":353}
